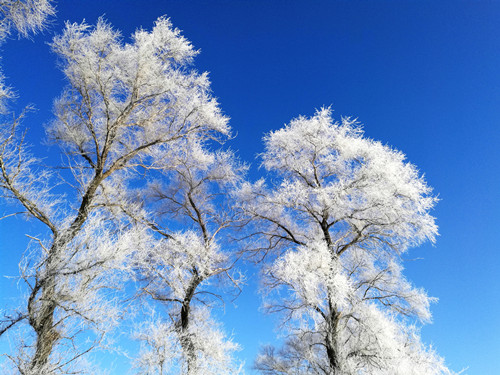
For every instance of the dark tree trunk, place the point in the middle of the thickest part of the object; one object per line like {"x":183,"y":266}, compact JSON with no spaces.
{"x":186,"y":341}
{"x":331,"y":342}
{"x":42,"y":322}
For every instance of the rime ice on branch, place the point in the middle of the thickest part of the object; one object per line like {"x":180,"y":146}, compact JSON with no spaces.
{"x":24,"y":16}
{"x":340,"y":212}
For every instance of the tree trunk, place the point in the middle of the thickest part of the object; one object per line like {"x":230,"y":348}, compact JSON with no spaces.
{"x":41,"y":317}
{"x":187,"y":344}
{"x":331,"y":343}
{"x":42,"y":322}
{"x":333,"y":318}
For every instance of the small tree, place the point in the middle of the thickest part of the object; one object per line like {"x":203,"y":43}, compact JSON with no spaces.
{"x":187,"y":269}
{"x":341,"y":210}
{"x":126,"y":107}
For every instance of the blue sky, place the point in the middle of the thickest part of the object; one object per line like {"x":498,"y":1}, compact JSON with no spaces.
{"x":422,"y":76}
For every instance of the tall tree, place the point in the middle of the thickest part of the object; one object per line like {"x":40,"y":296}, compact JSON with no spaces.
{"x":127,"y":106}
{"x":341,"y":211}
{"x":186,"y":270}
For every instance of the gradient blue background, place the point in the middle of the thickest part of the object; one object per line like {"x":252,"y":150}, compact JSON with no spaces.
{"x":422,"y":76}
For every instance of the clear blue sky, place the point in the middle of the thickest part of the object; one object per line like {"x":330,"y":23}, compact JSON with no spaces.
{"x":422,"y":76}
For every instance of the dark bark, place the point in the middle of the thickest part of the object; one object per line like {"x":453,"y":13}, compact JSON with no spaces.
{"x":186,"y":341}
{"x":43,"y":324}
{"x":331,"y":342}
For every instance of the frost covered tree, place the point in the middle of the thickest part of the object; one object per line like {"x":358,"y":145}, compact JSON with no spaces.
{"x":186,"y":269}
{"x":127,"y":107}
{"x":339,"y":214}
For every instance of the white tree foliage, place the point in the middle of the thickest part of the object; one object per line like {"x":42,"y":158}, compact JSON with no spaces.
{"x":127,"y":106}
{"x":162,"y":352}
{"x":341,"y":211}
{"x":24,"y":16}
{"x":187,"y":269}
